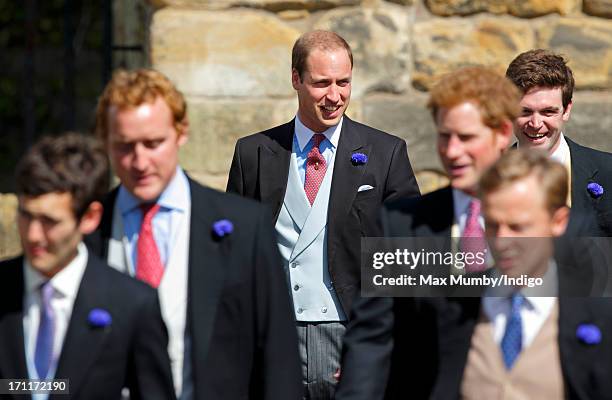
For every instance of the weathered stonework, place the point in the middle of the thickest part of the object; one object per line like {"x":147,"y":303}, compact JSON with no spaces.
{"x":525,"y":8}
{"x":587,"y":43}
{"x":446,"y":44}
{"x":380,"y":40}
{"x":271,"y":5}
{"x":231,"y":53}
{"x":9,"y":239}
{"x":599,"y":8}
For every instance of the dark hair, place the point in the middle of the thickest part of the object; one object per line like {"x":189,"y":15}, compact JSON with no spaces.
{"x":542,"y":68}
{"x":319,"y":39}
{"x":70,"y":163}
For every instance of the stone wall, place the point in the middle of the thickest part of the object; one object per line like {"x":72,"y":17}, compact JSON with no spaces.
{"x":232,"y":60}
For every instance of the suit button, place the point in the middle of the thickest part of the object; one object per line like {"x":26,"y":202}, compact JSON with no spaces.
{"x":294,"y":264}
{"x":296,"y":287}
{"x":299,"y":310}
{"x":324,"y":310}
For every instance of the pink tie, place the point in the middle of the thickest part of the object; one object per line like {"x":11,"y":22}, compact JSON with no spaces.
{"x":315,"y":168}
{"x":474,"y":233}
{"x":150,"y":268}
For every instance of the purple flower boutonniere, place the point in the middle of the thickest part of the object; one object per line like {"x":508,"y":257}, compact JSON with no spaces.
{"x":222,"y":228}
{"x":588,"y":334}
{"x":359,"y":159}
{"x":595,"y":190}
{"x":99,"y":318}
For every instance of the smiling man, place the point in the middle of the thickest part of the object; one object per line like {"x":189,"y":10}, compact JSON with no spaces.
{"x":324,"y":177}
{"x":473,"y":109}
{"x":547,"y":85}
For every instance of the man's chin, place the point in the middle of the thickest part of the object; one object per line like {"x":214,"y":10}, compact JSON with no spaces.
{"x":147,"y":193}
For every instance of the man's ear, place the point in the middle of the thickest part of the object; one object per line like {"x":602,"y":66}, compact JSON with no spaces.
{"x":183,"y":131}
{"x":567,"y":111}
{"x":560,"y":219}
{"x":504,"y":135}
{"x":295,"y":78}
{"x":91,"y":219}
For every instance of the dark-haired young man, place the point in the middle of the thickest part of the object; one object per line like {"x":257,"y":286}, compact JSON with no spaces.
{"x":547,"y":86}
{"x":325,"y":177}
{"x":65,"y":314}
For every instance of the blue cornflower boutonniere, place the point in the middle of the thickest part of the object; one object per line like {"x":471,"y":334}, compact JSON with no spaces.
{"x":99,"y":318}
{"x":222,"y":228}
{"x":588,"y":334}
{"x":359,"y":159}
{"x":595,"y":190}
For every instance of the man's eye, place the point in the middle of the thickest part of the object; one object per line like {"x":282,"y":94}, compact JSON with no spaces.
{"x":151,"y":144}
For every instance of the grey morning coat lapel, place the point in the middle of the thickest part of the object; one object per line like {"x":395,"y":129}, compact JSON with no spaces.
{"x":273,"y":168}
{"x":84,"y":342}
{"x":345,"y":182}
{"x":12,"y":355}
{"x":582,"y":171}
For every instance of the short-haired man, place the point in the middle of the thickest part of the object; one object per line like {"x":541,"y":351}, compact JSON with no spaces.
{"x":325,"y":177}
{"x":547,"y":85}
{"x":64,"y":314}
{"x":473,"y":109}
{"x":523,"y":343}
{"x":211,"y":255}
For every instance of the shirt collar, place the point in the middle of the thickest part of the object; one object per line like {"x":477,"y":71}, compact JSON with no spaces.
{"x":562,"y":151}
{"x":497,"y":298}
{"x":304,"y":134}
{"x":66,"y":282}
{"x":461,"y":202}
{"x":174,"y":197}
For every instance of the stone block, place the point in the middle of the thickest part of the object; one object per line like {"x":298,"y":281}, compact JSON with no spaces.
{"x":446,"y":44}
{"x":598,"y":8}
{"x":587,"y":44}
{"x":524,"y":8}
{"x":590,"y":121}
{"x":234,"y":53}
{"x":379,"y":38}
{"x":271,"y":5}
{"x":215,"y":126}
{"x":9,"y":236}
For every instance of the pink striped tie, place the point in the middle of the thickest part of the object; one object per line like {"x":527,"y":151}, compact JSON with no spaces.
{"x":473,"y":240}
{"x":315,"y":168}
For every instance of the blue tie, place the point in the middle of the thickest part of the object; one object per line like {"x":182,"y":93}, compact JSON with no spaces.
{"x":46,"y":329}
{"x":512,"y":342}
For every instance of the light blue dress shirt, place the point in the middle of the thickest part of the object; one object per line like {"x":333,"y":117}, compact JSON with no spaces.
{"x":173,"y":203}
{"x":302,"y":144}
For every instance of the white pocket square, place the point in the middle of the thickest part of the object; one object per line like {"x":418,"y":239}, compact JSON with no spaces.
{"x":363,"y":188}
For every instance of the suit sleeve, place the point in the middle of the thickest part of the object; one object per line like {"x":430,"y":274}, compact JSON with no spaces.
{"x":235,"y":181}
{"x":150,"y":376}
{"x":366,"y":351}
{"x":401,"y":182}
{"x":277,"y":357}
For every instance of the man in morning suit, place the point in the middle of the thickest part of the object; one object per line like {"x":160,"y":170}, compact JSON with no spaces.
{"x":521,"y":344}
{"x":473,"y":109}
{"x":64,"y":314}
{"x":547,"y":85}
{"x":325,"y":177}
{"x":211,"y":255}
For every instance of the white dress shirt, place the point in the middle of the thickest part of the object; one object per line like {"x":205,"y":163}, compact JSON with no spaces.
{"x":65,"y":285}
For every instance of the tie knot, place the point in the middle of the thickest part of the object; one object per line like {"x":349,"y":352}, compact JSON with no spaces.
{"x":149,"y":210}
{"x":317,"y":138}
{"x":474,"y":208}
{"x":517,"y":301}
{"x":46,"y":292}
